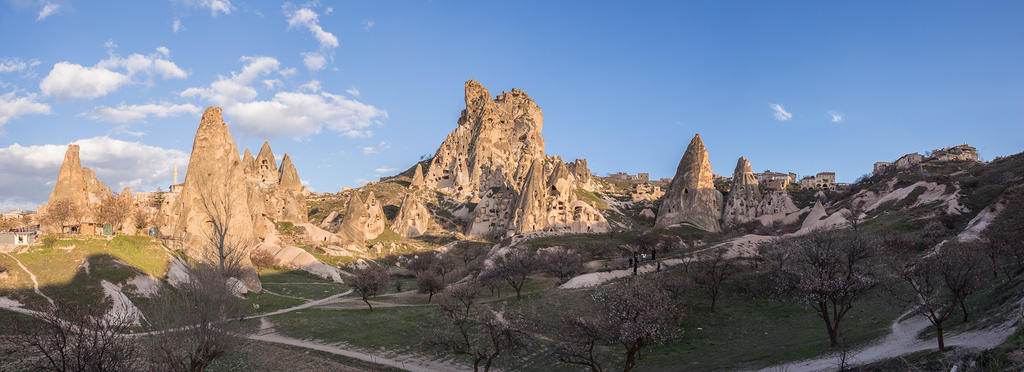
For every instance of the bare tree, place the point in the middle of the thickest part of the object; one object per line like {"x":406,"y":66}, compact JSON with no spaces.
{"x":61,"y":213}
{"x":72,"y":337}
{"x":368,"y":281}
{"x":961,"y":270}
{"x":828,"y":270}
{"x":464,"y":327}
{"x":430,"y":283}
{"x":561,"y":263}
{"x":141,"y":219}
{"x":581,"y":334}
{"x":711,"y":272}
{"x":226,"y":249}
{"x":189,"y":320}
{"x":514,"y":266}
{"x":423,"y":262}
{"x":113,"y":210}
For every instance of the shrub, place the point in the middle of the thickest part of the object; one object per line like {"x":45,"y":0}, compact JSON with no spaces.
{"x":262,"y":259}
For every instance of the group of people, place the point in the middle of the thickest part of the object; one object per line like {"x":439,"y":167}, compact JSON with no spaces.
{"x":641,"y":258}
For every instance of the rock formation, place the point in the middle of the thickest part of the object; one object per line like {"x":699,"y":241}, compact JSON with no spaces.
{"x":413,"y":217}
{"x":744,"y":195}
{"x":375,"y":218}
{"x":215,"y":188}
{"x":494,"y":144}
{"x":646,"y":191}
{"x":417,"y":178}
{"x":274,"y":192}
{"x":691,"y":197}
{"x":79,"y":185}
{"x":495,"y":158}
{"x":266,"y":164}
{"x":71,"y":183}
{"x":353,"y":224}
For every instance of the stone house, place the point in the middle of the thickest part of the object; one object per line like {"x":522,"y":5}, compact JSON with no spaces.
{"x":962,"y":152}
{"x":774,"y":180}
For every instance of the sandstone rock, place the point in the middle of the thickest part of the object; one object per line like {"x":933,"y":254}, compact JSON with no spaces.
{"x":289,"y":180}
{"x":744,"y":196}
{"x":776,"y":202}
{"x":417,"y":178}
{"x":353,"y":226}
{"x":530,"y":208}
{"x":413,"y":218}
{"x":494,"y":144}
{"x":71,"y":181}
{"x":297,"y":258}
{"x":266,"y":164}
{"x":646,"y":191}
{"x":249,"y":165}
{"x":215,"y":185}
{"x":691,"y":197}
{"x":376,"y":221}
{"x":329,"y":221}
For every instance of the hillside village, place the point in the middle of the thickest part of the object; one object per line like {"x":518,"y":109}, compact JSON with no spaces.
{"x":491,"y":198}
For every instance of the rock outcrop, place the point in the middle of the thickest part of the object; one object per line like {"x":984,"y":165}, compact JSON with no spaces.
{"x":353,"y":224}
{"x":71,"y":183}
{"x":78,"y":185}
{"x":413,"y":217}
{"x":274,"y":192}
{"x":744,"y":196}
{"x":691,"y":197}
{"x":417,"y":178}
{"x":376,"y":221}
{"x":495,"y":158}
{"x":646,"y":191}
{"x":215,"y":188}
{"x":494,"y":144}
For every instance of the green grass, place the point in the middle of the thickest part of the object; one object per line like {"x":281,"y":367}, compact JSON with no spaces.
{"x":592,"y":199}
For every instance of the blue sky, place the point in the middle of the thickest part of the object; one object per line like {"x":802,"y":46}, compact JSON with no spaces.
{"x":356,"y":90}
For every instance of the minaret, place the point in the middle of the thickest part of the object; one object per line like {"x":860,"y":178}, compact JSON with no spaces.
{"x":175,"y":174}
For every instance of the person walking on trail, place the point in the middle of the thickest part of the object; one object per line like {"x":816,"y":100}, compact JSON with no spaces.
{"x":659,"y":265}
{"x":654,"y":254}
{"x":634,"y":267}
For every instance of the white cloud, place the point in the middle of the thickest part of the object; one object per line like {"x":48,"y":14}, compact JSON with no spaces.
{"x":177,"y":26}
{"x":138,"y":113}
{"x":271,"y":84}
{"x":13,"y":107}
{"x":28,"y":172}
{"x":353,"y":91}
{"x":385,"y":170}
{"x":291,"y":114}
{"x":780,"y":113}
{"x":163,"y":50}
{"x":8,"y":64}
{"x":306,"y":17}
{"x":48,"y":9}
{"x":383,"y":145}
{"x":215,"y":6}
{"x":72,"y":81}
{"x":312,"y":86}
{"x":368,"y":24}
{"x":835,"y":116}
{"x":314,"y":61}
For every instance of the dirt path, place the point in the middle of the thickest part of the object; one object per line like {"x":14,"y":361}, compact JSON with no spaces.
{"x":303,"y":306}
{"x":408,"y":363}
{"x":35,"y":283}
{"x":742,"y":246}
{"x":903,"y":340}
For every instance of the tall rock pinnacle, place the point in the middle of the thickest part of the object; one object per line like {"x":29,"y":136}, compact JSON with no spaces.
{"x":744,"y":195}
{"x":691,"y":197}
{"x":215,"y":187}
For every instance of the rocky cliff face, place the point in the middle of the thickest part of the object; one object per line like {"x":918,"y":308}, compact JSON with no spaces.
{"x":413,"y":217}
{"x":417,"y":178}
{"x":375,"y":218}
{"x":79,"y":185}
{"x":495,"y":158}
{"x":744,"y":195}
{"x":215,"y":187}
{"x":274,"y":192}
{"x":494,"y":144}
{"x":691,"y":197}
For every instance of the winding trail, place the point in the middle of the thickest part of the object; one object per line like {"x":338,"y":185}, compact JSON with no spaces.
{"x":35,"y":283}
{"x":408,"y":363}
{"x":903,"y":340}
